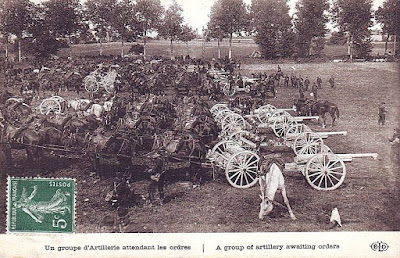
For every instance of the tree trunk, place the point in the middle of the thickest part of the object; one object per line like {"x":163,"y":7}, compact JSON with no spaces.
{"x":386,"y":42}
{"x":351,"y":47}
{"x":172,"y":51}
{"x":230,"y":47}
{"x":122,"y":47}
{"x":187,"y":48}
{"x":144,"y":44}
{"x":101,"y":47}
{"x":219,"y":48}
{"x":7,"y":50}
{"x":19,"y":51}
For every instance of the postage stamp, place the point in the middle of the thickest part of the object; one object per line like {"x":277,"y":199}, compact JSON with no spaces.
{"x":40,"y":205}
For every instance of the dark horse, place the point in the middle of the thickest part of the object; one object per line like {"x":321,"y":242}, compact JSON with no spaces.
{"x":320,"y":108}
{"x":13,"y":137}
{"x":171,"y":148}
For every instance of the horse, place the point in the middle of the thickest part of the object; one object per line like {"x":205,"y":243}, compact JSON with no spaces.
{"x":13,"y":137}
{"x":172,"y":147}
{"x":272,"y":180}
{"x":320,"y":108}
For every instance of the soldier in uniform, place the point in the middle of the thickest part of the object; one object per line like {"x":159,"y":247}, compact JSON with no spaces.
{"x":286,"y":80}
{"x":332,"y":82}
{"x":382,"y":114}
{"x":319,"y":82}
{"x":314,"y":91}
{"x":306,"y":83}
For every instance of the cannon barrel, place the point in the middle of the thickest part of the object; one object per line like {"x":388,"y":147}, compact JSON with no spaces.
{"x":303,"y":158}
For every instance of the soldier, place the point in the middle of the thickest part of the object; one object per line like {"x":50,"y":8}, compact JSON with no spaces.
{"x":306,"y":83}
{"x":382,"y":114}
{"x":301,"y":92}
{"x":332,"y":82}
{"x":319,"y":82}
{"x":286,"y":80}
{"x":294,"y":81}
{"x":314,"y":91}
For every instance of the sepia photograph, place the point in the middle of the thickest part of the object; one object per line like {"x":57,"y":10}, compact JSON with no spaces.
{"x":208,"y":116}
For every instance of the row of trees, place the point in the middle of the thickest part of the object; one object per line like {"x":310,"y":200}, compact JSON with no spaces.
{"x":280,"y":35}
{"x":274,"y":30}
{"x":41,"y":26}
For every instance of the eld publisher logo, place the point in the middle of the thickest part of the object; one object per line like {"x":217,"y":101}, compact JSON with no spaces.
{"x":379,"y":246}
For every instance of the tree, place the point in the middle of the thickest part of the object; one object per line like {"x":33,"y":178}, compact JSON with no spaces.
{"x":123,"y":22}
{"x":214,"y":29}
{"x":148,"y":18}
{"x":63,"y":17}
{"x":386,"y":15}
{"x":229,"y":17}
{"x":41,"y":42}
{"x":354,"y":17}
{"x":100,"y":15}
{"x":171,"y":27}
{"x":310,"y":24}
{"x":187,"y":34}
{"x":272,"y":27}
{"x":16,"y":19}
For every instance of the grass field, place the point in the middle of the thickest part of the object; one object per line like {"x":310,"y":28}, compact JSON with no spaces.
{"x":369,"y":199}
{"x":242,"y":48}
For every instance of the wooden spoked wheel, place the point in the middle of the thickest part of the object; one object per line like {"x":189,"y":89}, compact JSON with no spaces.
{"x":241,"y":169}
{"x":325,"y":171}
{"x":218,"y":107}
{"x":307,"y":143}
{"x":282,"y":123}
{"x":91,"y":84}
{"x":228,"y":90}
{"x":50,"y":105}
{"x":220,"y":153}
{"x":294,"y":131}
{"x":221,"y":115}
{"x":232,"y":122}
{"x":265,"y":112}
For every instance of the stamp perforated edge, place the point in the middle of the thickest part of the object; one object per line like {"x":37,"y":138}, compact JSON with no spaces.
{"x":8,"y":203}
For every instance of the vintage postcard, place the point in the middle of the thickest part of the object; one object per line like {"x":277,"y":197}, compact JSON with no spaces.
{"x":199,"y":128}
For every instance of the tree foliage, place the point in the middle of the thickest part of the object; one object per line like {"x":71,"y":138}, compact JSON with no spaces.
{"x":228,"y":17}
{"x":171,"y":26}
{"x":63,"y":17}
{"x":148,"y":16}
{"x":354,"y":17}
{"x":272,"y":27}
{"x":310,"y":24}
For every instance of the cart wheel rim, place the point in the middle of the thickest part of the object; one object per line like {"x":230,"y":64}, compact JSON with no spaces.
{"x":282,"y":123}
{"x":325,"y":171}
{"x":242,"y":169}
{"x":307,"y":143}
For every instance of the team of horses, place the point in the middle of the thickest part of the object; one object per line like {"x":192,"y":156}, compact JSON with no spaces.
{"x":309,"y":107}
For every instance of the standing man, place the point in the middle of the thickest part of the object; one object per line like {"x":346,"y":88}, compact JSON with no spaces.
{"x":314,"y":91}
{"x":306,"y":83}
{"x":332,"y":81}
{"x":319,"y":82}
{"x":382,"y":114}
{"x":286,"y":80}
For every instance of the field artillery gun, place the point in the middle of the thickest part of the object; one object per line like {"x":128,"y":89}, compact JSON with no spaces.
{"x":240,"y":164}
{"x":324,"y":170}
{"x":51,"y":105}
{"x":95,"y":80}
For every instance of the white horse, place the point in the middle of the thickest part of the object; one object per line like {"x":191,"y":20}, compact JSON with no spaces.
{"x":271,"y":180}
{"x":78,"y":104}
{"x":95,"y":109}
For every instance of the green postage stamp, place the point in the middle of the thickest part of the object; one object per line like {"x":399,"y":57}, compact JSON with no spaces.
{"x":40,"y":205}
